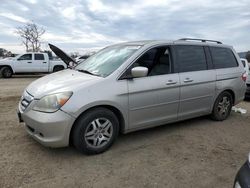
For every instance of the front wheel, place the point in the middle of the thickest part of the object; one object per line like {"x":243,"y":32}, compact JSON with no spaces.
{"x":95,"y":131}
{"x":222,"y":106}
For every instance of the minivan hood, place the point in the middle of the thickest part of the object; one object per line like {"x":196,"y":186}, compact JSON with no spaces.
{"x":66,"y":80}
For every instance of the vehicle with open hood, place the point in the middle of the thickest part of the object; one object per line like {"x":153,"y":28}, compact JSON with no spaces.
{"x":32,"y":62}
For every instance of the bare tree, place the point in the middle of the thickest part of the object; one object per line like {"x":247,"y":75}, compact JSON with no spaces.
{"x":31,"y":34}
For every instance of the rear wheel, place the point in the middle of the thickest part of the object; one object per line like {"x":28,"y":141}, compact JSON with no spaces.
{"x":6,"y":72}
{"x":222,"y":106}
{"x":95,"y":131}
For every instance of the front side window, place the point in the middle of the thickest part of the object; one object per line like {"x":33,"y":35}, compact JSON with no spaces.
{"x":107,"y":60}
{"x":157,"y":60}
{"x":190,"y":58}
{"x":223,"y":58}
{"x":39,"y":57}
{"x":25,"y":57}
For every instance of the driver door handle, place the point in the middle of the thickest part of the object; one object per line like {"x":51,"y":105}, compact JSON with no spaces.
{"x":29,"y":62}
{"x":171,"y":82}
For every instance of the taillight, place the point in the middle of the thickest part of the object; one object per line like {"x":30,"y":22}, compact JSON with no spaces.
{"x":244,"y":76}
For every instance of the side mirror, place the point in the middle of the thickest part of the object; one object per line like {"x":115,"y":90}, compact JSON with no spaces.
{"x":137,"y":72}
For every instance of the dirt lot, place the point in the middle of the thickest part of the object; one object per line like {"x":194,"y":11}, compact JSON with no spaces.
{"x":193,"y":153}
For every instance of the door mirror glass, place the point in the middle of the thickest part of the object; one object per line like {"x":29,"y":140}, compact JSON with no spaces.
{"x":137,"y":72}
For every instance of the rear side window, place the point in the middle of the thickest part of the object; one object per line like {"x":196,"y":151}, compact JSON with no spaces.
{"x":223,"y":58}
{"x":39,"y":57}
{"x":190,"y":58}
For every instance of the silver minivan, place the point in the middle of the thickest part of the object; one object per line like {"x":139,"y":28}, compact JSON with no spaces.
{"x":132,"y":86}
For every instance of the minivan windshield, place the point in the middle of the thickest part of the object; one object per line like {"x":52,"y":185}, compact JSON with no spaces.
{"x":106,"y":61}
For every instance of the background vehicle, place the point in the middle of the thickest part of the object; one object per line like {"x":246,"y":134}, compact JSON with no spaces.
{"x":30,"y":62}
{"x":242,"y":179}
{"x":81,"y":58}
{"x":132,"y":86}
{"x":246,"y":65}
{"x":247,"y":69}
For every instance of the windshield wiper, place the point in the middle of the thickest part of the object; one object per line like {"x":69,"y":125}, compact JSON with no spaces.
{"x":87,"y":72}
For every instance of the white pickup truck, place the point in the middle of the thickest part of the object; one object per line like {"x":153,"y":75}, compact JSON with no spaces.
{"x":30,"y":62}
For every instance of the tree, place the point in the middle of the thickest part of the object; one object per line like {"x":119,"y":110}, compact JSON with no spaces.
{"x":5,"y":53}
{"x":31,"y":34}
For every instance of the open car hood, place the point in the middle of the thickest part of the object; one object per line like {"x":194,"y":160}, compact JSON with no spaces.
{"x":61,"y":54}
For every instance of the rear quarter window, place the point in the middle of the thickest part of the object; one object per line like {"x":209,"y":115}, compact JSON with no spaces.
{"x":39,"y":57}
{"x":223,"y":58}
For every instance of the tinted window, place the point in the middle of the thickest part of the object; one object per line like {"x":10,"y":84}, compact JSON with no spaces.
{"x":157,"y":60}
{"x":25,"y":57}
{"x":223,"y":58}
{"x":39,"y":57}
{"x":190,"y":58}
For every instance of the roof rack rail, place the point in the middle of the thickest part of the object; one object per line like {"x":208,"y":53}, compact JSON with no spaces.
{"x":201,"y":40}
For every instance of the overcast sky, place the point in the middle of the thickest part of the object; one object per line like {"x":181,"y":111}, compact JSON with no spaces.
{"x":75,"y":25}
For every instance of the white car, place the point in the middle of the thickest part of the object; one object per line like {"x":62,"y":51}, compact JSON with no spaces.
{"x":246,"y":65}
{"x":30,"y":62}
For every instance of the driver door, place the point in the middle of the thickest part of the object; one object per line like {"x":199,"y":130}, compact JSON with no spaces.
{"x":24,"y":63}
{"x":154,"y":99}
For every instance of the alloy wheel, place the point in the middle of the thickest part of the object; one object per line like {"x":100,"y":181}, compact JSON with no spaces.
{"x":98,"y":133}
{"x":223,"y":106}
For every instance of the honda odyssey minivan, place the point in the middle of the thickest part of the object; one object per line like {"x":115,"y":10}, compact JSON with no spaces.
{"x":131,"y":86}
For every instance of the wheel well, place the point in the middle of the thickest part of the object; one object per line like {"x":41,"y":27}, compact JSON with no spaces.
{"x":6,"y":66}
{"x":111,"y":108}
{"x":61,"y":66}
{"x":232,"y":93}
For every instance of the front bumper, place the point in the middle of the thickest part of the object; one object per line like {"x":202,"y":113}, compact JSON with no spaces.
{"x":243,"y":176}
{"x":49,"y":129}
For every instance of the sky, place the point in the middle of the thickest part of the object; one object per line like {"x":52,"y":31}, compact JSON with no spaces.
{"x":77,"y":25}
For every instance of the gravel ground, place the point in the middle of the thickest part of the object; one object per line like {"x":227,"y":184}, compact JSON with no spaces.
{"x":194,"y":153}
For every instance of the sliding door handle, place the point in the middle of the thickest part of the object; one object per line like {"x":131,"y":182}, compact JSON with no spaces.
{"x":187,"y":80}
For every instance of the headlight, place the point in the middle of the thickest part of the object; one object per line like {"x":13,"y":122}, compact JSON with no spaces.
{"x":53,"y":102}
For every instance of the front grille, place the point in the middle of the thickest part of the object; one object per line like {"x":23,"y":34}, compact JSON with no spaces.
{"x":25,"y":100}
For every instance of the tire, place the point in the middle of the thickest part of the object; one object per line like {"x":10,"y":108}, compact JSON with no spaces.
{"x":95,"y":131}
{"x":222,"y":106}
{"x":58,"y":68}
{"x":6,"y":72}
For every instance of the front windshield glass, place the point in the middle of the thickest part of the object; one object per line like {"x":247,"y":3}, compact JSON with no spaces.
{"x":107,"y":60}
